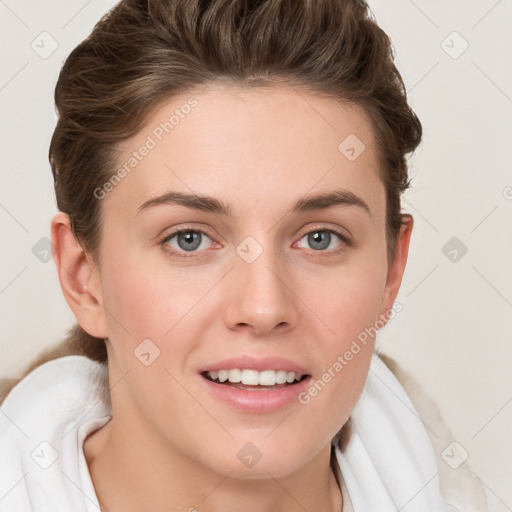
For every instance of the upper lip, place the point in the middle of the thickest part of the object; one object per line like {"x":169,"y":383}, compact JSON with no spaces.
{"x":255,"y":363}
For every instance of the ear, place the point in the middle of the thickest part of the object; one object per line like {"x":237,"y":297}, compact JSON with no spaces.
{"x":396,"y":267}
{"x":79,"y":278}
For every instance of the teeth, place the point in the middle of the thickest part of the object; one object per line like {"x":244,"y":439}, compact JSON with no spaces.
{"x":250,"y":377}
{"x":254,"y":377}
{"x":235,"y":375}
{"x":281,"y":376}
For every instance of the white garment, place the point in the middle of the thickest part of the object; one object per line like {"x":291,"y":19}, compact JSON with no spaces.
{"x":43,"y":424}
{"x":388,"y":464}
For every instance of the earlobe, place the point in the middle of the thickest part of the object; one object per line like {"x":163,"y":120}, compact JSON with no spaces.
{"x":397,"y":266}
{"x":79,"y":278}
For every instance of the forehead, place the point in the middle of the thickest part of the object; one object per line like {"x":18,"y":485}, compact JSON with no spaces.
{"x":251,"y":148}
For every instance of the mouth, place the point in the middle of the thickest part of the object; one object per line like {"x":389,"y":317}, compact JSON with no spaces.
{"x":255,"y":384}
{"x":253,"y":380}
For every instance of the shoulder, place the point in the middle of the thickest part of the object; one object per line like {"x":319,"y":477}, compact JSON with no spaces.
{"x":64,"y":384}
{"x":458,"y":486}
{"x":76,"y":343}
{"x":74,"y":370}
{"x":43,"y":423}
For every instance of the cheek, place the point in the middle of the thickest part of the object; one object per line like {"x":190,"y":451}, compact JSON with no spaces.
{"x":144,"y":300}
{"x":347,"y":307}
{"x":347,"y":301}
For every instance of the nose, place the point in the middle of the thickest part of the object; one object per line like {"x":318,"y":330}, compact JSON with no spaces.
{"x":261,"y":298}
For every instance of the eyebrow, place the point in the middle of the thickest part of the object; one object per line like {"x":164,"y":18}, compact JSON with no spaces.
{"x":211,"y":205}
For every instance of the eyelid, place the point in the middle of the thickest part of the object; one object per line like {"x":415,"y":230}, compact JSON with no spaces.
{"x":171,"y":231}
{"x":342,"y":233}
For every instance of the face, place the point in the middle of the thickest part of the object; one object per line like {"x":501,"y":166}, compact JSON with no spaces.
{"x":248,"y":235}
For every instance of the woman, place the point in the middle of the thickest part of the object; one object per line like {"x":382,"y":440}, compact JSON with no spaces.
{"x":230,"y":240}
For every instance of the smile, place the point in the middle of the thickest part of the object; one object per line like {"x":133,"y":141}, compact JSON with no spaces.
{"x":254,"y":378}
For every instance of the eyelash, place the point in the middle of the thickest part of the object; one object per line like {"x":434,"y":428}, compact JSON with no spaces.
{"x":345,"y":242}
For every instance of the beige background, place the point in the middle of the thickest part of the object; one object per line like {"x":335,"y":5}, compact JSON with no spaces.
{"x":455,"y":331}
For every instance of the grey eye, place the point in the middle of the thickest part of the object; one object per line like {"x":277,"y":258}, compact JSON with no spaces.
{"x":320,"y":240}
{"x":188,"y":241}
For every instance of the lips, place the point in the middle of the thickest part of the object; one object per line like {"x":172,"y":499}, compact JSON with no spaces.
{"x":255,"y":384}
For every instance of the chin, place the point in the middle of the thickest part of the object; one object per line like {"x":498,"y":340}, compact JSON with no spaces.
{"x":261,"y":458}
{"x":264,"y":470}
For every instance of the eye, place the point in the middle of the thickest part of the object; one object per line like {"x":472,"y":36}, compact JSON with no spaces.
{"x":322,"y":239}
{"x":187,"y":241}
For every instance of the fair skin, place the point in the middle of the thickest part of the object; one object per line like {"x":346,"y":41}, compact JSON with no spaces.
{"x":172,"y":444}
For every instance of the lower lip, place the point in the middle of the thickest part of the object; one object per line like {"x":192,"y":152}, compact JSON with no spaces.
{"x":257,"y":400}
